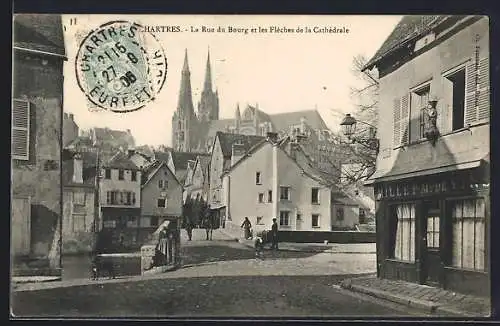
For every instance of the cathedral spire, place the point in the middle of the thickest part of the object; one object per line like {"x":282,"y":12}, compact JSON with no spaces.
{"x":207,"y":86}
{"x":185,"y":103}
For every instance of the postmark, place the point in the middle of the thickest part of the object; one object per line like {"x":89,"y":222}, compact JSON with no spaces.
{"x":119,"y":67}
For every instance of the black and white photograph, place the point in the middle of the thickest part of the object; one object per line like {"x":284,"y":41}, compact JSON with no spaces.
{"x":275,"y":166}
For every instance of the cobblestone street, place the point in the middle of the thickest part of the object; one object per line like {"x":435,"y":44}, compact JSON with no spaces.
{"x":220,"y":277}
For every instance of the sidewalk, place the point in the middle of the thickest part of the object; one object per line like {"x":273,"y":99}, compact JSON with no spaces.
{"x":430,"y":299}
{"x":341,"y":248}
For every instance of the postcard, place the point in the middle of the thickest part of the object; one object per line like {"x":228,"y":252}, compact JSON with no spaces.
{"x":275,"y":166}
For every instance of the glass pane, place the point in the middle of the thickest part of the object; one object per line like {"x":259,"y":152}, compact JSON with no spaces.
{"x":469,"y":208}
{"x":457,"y":244}
{"x":406,"y":235}
{"x":480,"y":208}
{"x":397,"y":246}
{"x":457,"y":209}
{"x":430,"y":224}
{"x":412,"y":240}
{"x":479,"y":244}
{"x":468,"y":243}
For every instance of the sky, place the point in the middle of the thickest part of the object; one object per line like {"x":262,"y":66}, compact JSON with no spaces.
{"x":281,"y":72}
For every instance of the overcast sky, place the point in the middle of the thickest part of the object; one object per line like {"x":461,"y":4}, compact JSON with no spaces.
{"x":281,"y":72}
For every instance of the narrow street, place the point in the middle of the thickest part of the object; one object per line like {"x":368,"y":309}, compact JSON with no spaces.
{"x":219,"y":278}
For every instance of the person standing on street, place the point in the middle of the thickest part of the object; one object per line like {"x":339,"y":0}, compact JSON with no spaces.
{"x":274,"y":235}
{"x":246,"y":225}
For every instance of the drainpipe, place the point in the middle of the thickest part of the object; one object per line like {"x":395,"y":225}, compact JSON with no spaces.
{"x":275,"y":187}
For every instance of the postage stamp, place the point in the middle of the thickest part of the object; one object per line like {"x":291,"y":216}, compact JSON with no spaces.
{"x":119,"y":67}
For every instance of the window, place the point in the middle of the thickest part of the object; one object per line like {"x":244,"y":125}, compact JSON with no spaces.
{"x":108,"y":197}
{"x":315,"y":195}
{"x":270,"y":196}
{"x":257,"y":178}
{"x":259,"y":220}
{"x":285,"y":193}
{"x":79,"y":198}
{"x":468,"y":244}
{"x":160,"y":184}
{"x":299,"y":217}
{"x":433,"y":231}
{"x":121,"y":174}
{"x":107,"y":173}
{"x":261,"y":198}
{"x":284,"y":218}
{"x":340,"y":214}
{"x":419,"y":101}
{"x":133,"y":198}
{"x":162,"y":202}
{"x":455,"y":84}
{"x":404,"y":243}
{"x":315,"y":220}
{"x":134,"y":176}
{"x":362,"y":216}
{"x":129,"y":198}
{"x":20,"y":130}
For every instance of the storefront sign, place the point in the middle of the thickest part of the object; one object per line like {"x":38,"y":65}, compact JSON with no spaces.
{"x":416,"y":188}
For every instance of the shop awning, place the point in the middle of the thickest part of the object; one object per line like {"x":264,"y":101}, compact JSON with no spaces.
{"x":416,"y":161}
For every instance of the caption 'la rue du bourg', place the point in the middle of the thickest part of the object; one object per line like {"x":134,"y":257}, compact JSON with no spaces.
{"x":271,"y":29}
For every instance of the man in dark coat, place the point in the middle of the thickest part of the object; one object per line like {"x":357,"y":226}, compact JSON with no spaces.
{"x":274,"y":235}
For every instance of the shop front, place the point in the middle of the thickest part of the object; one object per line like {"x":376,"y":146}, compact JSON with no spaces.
{"x":434,"y":228}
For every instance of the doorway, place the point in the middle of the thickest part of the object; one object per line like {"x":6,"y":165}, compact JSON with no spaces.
{"x":431,"y":254}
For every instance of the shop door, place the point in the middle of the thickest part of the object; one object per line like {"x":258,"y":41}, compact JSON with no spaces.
{"x":431,"y":254}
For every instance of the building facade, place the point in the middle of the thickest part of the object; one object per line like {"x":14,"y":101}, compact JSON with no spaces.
{"x":274,"y":179}
{"x":197,"y":180}
{"x":432,"y":178}
{"x":80,"y":205}
{"x":223,"y":156}
{"x":36,"y":135}
{"x":120,"y":201}
{"x":161,"y":196}
{"x":70,"y":129}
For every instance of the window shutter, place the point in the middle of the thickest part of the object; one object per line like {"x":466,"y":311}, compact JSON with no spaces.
{"x":484,"y":89}
{"x":470,"y":93}
{"x":396,"y":107}
{"x":20,"y":129}
{"x":405,"y":118}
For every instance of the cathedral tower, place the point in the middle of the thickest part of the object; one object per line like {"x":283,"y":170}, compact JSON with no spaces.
{"x":184,"y":121}
{"x":208,"y":107}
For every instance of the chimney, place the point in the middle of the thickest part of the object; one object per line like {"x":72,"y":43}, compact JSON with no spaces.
{"x":72,"y":116}
{"x":131,"y":151}
{"x":238,"y":151}
{"x":77,"y":168}
{"x":272,"y":136}
{"x":128,"y":131}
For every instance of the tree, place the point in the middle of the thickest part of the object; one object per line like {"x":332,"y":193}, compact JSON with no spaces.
{"x":365,"y":96}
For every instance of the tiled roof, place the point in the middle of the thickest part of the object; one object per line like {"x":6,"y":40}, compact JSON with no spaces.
{"x":39,"y":32}
{"x":204,"y":161}
{"x":282,"y":121}
{"x":80,"y":141}
{"x":149,"y":172}
{"x":120,"y":161}
{"x":181,"y":159}
{"x":89,"y":167}
{"x":144,"y":149}
{"x":408,"y":28}
{"x":117,"y":137}
{"x":227,"y":140}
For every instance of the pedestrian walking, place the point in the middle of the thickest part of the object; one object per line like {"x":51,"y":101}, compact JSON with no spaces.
{"x":274,"y":235}
{"x":246,"y":225}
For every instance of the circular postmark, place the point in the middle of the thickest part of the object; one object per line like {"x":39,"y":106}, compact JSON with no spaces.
{"x":119,"y":67}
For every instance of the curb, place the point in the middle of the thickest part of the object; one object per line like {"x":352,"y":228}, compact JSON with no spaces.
{"x":53,"y":279}
{"x":424,"y":305}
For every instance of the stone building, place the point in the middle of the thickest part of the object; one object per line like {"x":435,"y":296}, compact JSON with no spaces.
{"x":433,"y":172}
{"x":36,"y":135}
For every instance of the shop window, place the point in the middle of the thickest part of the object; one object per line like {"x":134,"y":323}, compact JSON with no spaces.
{"x":468,"y":244}
{"x":404,"y":246}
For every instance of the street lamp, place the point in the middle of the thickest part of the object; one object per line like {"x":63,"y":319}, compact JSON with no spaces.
{"x":348,"y":126}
